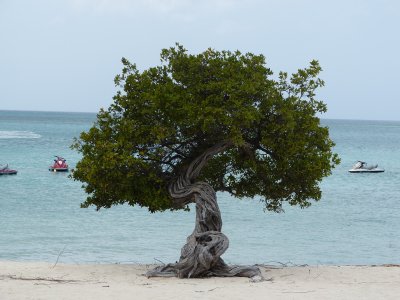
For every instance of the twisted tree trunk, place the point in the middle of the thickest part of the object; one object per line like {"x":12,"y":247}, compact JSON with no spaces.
{"x":201,"y":255}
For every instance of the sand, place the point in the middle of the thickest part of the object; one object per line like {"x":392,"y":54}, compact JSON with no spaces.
{"x":32,"y":280}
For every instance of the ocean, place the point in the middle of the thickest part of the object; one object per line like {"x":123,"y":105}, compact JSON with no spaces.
{"x":357,"y":221}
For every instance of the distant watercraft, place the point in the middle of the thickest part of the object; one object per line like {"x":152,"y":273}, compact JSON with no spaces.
{"x":7,"y":171}
{"x":59,"y":165}
{"x":362,"y":167}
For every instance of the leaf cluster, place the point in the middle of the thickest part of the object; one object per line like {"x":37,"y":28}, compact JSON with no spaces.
{"x":164,"y":117}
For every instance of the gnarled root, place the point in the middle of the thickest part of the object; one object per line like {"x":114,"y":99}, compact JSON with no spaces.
{"x":205,"y":260}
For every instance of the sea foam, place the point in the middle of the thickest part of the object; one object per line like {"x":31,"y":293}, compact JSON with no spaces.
{"x":19,"y":135}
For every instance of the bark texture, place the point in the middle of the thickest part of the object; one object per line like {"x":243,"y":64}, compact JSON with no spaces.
{"x":201,"y":255}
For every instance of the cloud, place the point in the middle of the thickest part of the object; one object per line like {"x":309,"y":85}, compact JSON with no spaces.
{"x":157,"y":6}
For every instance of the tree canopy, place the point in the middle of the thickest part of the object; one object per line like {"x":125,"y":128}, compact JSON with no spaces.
{"x":164,"y":117}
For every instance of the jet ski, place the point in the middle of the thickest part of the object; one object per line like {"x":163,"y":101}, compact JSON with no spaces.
{"x":362,"y":167}
{"x":7,"y":171}
{"x":59,"y":165}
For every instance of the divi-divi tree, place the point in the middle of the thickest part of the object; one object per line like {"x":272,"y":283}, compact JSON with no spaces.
{"x":197,"y":124}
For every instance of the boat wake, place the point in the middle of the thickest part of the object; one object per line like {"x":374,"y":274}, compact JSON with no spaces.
{"x":19,"y":135}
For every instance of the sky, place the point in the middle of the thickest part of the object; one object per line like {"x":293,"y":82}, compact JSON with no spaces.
{"x":63,"y":55}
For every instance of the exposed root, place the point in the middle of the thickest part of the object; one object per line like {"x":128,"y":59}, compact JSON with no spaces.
{"x":42,"y":279}
{"x":220,"y":270}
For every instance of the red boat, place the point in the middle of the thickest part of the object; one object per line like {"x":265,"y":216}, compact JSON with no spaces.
{"x":59,"y":165}
{"x":6,"y":171}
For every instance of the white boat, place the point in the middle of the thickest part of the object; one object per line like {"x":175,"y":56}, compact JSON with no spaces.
{"x":362,"y":167}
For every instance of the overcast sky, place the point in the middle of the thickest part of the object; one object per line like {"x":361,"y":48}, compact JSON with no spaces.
{"x":62,"y":55}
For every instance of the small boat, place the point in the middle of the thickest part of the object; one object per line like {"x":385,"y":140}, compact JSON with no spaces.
{"x":7,"y":171}
{"x":362,"y":167}
{"x":59,"y":165}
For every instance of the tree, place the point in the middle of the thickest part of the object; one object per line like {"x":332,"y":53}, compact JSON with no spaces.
{"x":196,"y":124}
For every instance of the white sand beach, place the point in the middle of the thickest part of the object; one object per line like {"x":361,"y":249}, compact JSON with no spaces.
{"x":32,"y":280}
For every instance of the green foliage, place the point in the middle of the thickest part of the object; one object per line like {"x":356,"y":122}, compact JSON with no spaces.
{"x":164,"y":117}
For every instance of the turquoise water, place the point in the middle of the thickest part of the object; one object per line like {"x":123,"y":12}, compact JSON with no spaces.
{"x":356,"y":222}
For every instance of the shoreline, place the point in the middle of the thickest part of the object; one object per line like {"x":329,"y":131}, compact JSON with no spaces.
{"x":41,"y":280}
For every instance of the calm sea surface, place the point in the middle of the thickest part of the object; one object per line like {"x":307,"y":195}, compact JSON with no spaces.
{"x":357,"y":220}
